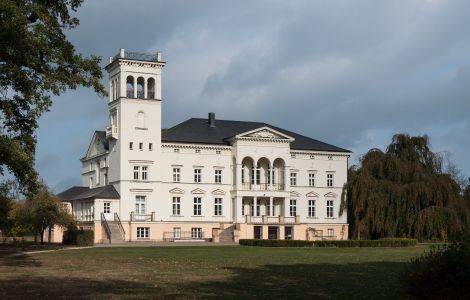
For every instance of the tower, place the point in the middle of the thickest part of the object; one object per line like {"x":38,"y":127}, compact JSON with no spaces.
{"x":134,"y":129}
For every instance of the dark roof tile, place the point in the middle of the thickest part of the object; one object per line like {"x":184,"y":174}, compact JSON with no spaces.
{"x":197,"y":130}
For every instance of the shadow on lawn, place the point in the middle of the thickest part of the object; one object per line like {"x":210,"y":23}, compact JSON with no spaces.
{"x":374,"y":280}
{"x":17,"y":259}
{"x":51,"y":287}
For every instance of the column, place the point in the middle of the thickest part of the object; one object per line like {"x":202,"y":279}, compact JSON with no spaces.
{"x":255,"y":206}
{"x":286,"y":179}
{"x":271,"y":176}
{"x":238,"y":209}
{"x":238,"y":176}
{"x":271,"y":207}
{"x":135,"y":87}
{"x":145,"y":89}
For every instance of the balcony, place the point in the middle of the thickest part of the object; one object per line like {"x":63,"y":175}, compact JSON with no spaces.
{"x":112,"y":132}
{"x":143,"y":217}
{"x":280,"y":220}
{"x":263,"y":187}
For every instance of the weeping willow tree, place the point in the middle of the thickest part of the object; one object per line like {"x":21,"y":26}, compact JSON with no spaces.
{"x":403,"y":192}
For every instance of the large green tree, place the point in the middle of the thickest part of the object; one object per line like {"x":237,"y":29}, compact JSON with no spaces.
{"x":36,"y":61}
{"x":404,"y":192}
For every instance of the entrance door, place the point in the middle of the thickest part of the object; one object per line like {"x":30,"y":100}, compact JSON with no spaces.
{"x":273,"y":232}
{"x":107,"y":210}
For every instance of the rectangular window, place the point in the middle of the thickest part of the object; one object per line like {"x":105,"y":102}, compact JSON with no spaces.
{"x":150,"y":146}
{"x":331,"y":232}
{"x":141,"y":146}
{"x":311,"y":208}
{"x":218,"y":176}
{"x":131,"y":145}
{"x":140,"y":205}
{"x":176,"y":174}
{"x":144,"y":173}
{"x":143,"y":233}
{"x":258,"y":176}
{"x":107,"y":207}
{"x":311,"y":179}
{"x":197,"y":175}
{"x":217,"y":206}
{"x":243,"y":209}
{"x":136,"y":172}
{"x":196,"y":233}
{"x":329,"y":208}
{"x":293,"y":208}
{"x":293,"y":179}
{"x":329,"y":180}
{"x":197,"y":206}
{"x":176,"y":206}
{"x":177,"y":233}
{"x":288,"y":233}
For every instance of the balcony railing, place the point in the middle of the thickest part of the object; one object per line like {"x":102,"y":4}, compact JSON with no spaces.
{"x":171,"y":236}
{"x":263,"y":187}
{"x":112,"y":132}
{"x":272,"y":220}
{"x":143,"y":217}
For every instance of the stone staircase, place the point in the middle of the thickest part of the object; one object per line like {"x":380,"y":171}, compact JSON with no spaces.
{"x":226,"y":234}
{"x":116,"y":236}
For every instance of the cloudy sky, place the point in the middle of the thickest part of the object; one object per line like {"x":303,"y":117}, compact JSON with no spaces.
{"x":350,"y":73}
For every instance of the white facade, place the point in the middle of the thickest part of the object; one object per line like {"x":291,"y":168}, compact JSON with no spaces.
{"x":256,"y":185}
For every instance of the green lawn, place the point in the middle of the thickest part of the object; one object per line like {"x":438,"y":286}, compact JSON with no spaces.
{"x":207,"y":272}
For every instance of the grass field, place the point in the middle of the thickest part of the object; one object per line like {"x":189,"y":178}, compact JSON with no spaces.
{"x":227,"y":272}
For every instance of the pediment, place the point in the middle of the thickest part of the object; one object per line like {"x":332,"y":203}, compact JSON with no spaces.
{"x":265,"y":133}
{"x":98,"y":145}
{"x":218,"y":192}
{"x":294,"y":194}
{"x":330,"y":195}
{"x":176,"y":191}
{"x":312,"y":194}
{"x":198,"y":191}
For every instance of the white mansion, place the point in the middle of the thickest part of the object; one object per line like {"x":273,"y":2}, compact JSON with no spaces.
{"x":204,"y":178}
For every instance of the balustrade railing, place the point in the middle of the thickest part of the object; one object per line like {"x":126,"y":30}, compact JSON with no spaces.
{"x":143,"y":217}
{"x":263,"y":187}
{"x":121,"y":228}
{"x":272,"y":220}
{"x":105,"y":224}
{"x":171,"y":236}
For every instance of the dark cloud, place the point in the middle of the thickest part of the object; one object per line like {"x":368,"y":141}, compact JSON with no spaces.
{"x":351,"y":73}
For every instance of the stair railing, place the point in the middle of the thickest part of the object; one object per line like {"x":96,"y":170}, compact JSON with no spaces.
{"x":121,"y":228}
{"x":105,"y":224}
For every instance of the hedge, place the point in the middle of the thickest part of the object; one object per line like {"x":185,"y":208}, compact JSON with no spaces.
{"x":78,"y":237}
{"x":276,"y":243}
{"x":386,"y":242}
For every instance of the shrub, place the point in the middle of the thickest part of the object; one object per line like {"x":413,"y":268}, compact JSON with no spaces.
{"x":441,"y":273}
{"x":276,"y":243}
{"x":78,"y":237}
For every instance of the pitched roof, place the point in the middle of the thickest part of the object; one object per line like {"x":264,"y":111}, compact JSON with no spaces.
{"x":81,"y":192}
{"x":198,"y":130}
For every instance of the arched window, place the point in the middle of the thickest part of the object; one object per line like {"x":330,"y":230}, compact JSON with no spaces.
{"x":151,"y":88}
{"x":141,"y":119}
{"x":140,"y":88}
{"x":130,"y":87}
{"x":116,"y":89}
{"x":111,"y":92}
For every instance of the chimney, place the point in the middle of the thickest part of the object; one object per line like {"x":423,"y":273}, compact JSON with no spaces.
{"x":122,"y":53}
{"x":158,"y":55}
{"x":211,"y":119}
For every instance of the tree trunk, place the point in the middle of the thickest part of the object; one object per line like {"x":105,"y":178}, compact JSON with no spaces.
{"x":42,"y":236}
{"x":49,"y":236}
